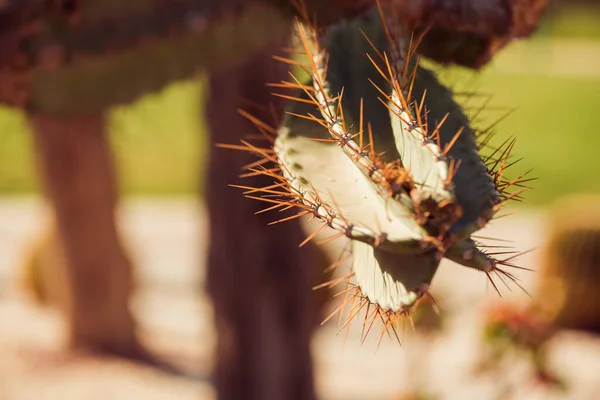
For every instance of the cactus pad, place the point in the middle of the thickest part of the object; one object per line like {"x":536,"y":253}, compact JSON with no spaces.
{"x":407,"y":193}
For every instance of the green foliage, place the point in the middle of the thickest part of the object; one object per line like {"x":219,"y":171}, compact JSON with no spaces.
{"x":399,"y":214}
{"x":16,"y":154}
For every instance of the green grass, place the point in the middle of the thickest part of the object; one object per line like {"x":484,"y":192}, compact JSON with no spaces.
{"x":554,"y":121}
{"x":159,"y":141}
{"x":158,"y":144}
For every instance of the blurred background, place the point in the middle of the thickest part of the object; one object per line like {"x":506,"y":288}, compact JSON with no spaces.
{"x":552,"y":81}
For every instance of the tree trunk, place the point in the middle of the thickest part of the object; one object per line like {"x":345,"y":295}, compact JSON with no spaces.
{"x":258,"y":278}
{"x":76,"y":169}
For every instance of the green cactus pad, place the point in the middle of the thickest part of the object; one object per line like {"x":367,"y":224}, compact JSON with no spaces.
{"x":326,"y":177}
{"x":396,"y":130}
{"x":360,"y":79}
{"x":390,"y":280}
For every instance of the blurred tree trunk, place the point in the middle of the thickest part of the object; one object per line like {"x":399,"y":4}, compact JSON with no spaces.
{"x":76,"y":168}
{"x":258,"y":277}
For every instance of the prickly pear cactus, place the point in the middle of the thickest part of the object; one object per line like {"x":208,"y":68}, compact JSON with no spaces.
{"x":376,"y":148}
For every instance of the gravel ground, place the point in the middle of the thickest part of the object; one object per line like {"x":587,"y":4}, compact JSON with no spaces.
{"x":163,"y":237}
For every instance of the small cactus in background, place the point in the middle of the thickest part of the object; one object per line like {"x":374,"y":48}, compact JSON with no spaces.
{"x":377,"y":149}
{"x":570,"y":269}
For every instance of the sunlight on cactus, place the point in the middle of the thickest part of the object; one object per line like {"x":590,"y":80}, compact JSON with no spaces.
{"x":377,"y":149}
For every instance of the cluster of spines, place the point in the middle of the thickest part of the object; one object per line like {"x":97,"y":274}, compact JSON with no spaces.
{"x":358,"y":302}
{"x":392,"y":179}
{"x":332,"y":117}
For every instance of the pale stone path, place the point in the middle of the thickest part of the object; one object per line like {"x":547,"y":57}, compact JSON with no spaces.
{"x":165,"y":238}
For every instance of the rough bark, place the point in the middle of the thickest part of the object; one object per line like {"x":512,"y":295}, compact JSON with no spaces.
{"x":258,"y":277}
{"x":77,"y":172}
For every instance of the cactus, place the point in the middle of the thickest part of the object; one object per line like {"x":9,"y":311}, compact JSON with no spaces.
{"x":570,"y":264}
{"x":405,"y":209}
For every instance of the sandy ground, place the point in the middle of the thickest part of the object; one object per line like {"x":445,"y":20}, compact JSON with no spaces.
{"x":164,"y":237}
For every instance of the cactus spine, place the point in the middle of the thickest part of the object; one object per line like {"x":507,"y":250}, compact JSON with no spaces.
{"x":571,"y":264}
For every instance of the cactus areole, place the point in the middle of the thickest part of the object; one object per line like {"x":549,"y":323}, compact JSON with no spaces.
{"x":373,"y":146}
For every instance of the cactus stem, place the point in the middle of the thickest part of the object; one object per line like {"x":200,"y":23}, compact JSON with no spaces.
{"x":416,"y":192}
{"x":355,"y":301}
